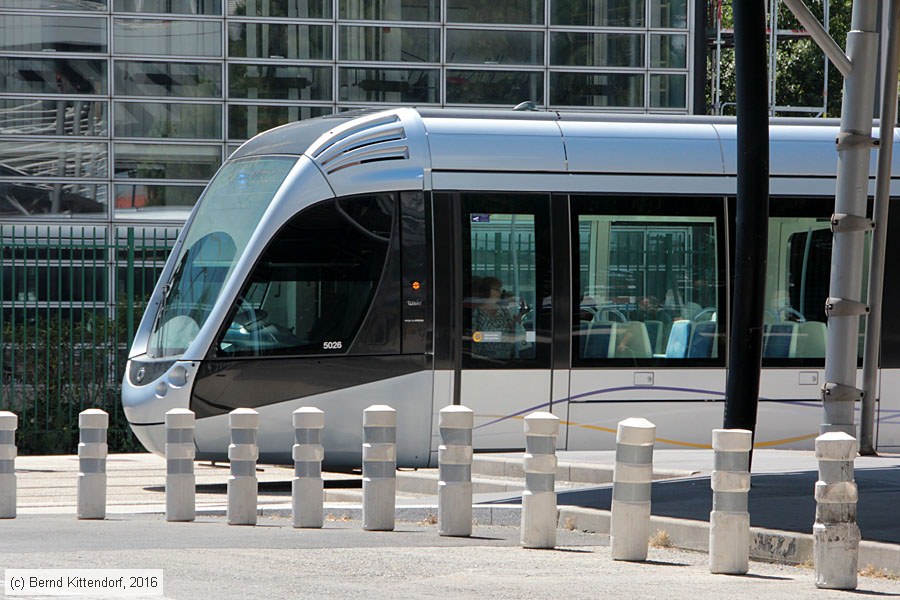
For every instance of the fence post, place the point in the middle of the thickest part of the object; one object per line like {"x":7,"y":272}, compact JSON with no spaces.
{"x":379,"y":467}
{"x":539,"y":515}
{"x":629,"y":528}
{"x":729,"y":521}
{"x":243,"y":453}
{"x":9,"y":422}
{"x":180,"y":481}
{"x":307,"y":486}
{"x":835,"y":532}
{"x":129,"y":288}
{"x":455,"y":471}
{"x":92,"y":452}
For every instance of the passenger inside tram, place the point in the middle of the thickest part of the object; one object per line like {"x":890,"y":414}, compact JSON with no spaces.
{"x":497,"y":321}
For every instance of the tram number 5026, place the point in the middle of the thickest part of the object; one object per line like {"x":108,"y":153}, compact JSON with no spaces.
{"x":332,"y":345}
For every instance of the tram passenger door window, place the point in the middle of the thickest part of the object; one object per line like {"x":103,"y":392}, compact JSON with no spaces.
{"x":506,"y":285}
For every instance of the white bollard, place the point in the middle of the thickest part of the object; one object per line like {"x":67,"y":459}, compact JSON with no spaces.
{"x":379,"y":453}
{"x":92,"y":452}
{"x":729,"y":521}
{"x":9,"y":422}
{"x":181,"y":484}
{"x":243,"y":453}
{"x":835,"y":533}
{"x":307,"y":487}
{"x":539,"y":516}
{"x":629,"y":528}
{"x":455,"y":471}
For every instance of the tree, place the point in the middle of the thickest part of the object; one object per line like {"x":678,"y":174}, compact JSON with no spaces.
{"x":800,"y":76}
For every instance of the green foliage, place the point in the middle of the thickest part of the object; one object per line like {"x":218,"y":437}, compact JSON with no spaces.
{"x":54,"y":366}
{"x":800,"y":76}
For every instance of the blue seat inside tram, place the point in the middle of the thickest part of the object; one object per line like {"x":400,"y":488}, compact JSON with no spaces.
{"x":599,"y":339}
{"x":703,"y":340}
{"x":780,"y":340}
{"x":679,"y":339}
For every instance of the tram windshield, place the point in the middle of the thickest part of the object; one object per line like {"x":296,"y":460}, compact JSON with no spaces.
{"x":230,"y":209}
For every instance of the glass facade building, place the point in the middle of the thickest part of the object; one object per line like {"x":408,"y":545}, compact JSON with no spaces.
{"x":119,"y":111}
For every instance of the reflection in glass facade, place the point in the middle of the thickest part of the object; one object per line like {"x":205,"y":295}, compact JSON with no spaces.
{"x":167,"y":79}
{"x":167,"y":120}
{"x":279,"y":40}
{"x":390,"y":44}
{"x":519,"y":12}
{"x":579,"y":49}
{"x":48,"y":33}
{"x":121,"y":110}
{"x":485,"y":87}
{"x":481,"y":47}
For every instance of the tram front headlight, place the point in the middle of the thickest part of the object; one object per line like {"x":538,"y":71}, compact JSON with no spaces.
{"x":146,"y":372}
{"x":178,"y":376}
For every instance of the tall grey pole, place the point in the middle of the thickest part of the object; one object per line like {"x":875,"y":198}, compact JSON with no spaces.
{"x":849,"y":222}
{"x":879,"y":237}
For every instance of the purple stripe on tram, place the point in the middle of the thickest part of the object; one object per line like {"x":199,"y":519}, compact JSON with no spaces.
{"x":893,"y":414}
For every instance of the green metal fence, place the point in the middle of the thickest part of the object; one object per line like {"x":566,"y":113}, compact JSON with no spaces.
{"x":70,"y":299}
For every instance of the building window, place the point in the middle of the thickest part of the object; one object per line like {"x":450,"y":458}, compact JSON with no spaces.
{"x":167,"y":37}
{"x":494,"y":87}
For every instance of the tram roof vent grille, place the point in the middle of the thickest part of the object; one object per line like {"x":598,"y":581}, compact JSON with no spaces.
{"x":373,"y":141}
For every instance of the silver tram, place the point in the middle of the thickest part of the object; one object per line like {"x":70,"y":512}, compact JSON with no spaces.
{"x":508,"y":261}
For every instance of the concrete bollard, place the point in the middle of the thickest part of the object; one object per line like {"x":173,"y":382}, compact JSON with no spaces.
{"x":92,"y":452}
{"x":539,"y":515}
{"x":455,"y":471}
{"x":181,"y":485}
{"x":379,"y":453}
{"x":729,"y":521}
{"x":243,"y":453}
{"x":835,"y":532}
{"x":307,"y":487}
{"x":629,"y":528}
{"x":9,"y":422}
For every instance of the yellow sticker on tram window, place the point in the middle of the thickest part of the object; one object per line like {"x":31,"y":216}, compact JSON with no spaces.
{"x":477,"y":337}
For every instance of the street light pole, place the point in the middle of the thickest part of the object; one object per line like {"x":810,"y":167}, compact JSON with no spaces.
{"x":849,"y":222}
{"x":748,"y":308}
{"x":879,"y":236}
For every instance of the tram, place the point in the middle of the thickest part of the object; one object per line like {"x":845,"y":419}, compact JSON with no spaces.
{"x":509,"y":261}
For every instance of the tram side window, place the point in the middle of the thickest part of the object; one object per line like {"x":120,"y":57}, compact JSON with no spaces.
{"x":797,"y":282}
{"x":648,"y":286}
{"x":314,"y":284}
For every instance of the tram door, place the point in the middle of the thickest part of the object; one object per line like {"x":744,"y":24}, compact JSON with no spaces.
{"x":504,"y":312}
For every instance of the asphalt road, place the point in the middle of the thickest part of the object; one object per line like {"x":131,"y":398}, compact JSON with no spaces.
{"x":209,"y":559}
{"x":782,"y":501}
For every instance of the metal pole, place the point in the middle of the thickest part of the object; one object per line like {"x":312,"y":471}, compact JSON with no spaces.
{"x":849,"y":223}
{"x":745,"y":344}
{"x":879,"y":237}
{"x":129,"y":289}
{"x":701,"y":53}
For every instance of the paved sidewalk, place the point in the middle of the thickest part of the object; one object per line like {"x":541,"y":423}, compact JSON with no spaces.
{"x":136,"y":485}
{"x":209,"y":559}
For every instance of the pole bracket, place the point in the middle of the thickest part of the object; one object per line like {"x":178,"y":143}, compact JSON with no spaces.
{"x":843,"y":223}
{"x":847,"y":140}
{"x":842,"y":307}
{"x":838,"y":392}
